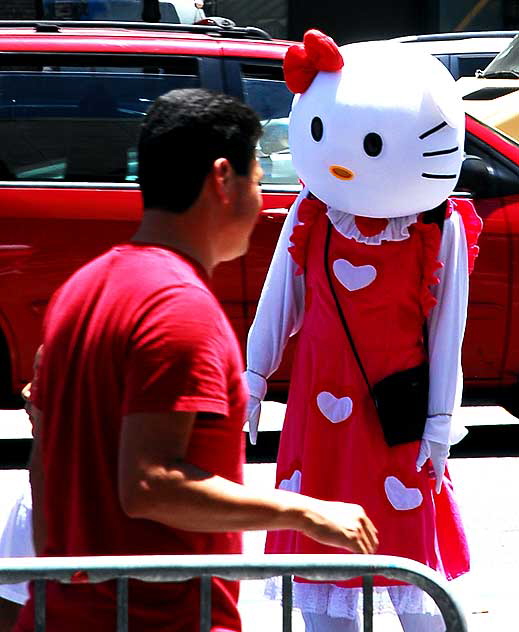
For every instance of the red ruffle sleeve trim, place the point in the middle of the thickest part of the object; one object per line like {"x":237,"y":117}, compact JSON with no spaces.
{"x":472,"y":223}
{"x":430,"y":235}
{"x":431,"y":239}
{"x":309,"y":210}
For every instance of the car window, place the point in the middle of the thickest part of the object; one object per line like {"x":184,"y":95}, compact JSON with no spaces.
{"x":78,"y":120}
{"x":265,"y":90}
{"x":469,"y":64}
{"x":124,"y":10}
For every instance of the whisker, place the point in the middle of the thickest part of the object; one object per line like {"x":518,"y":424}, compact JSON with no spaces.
{"x":438,"y":176}
{"x":440,"y":152}
{"x":433,"y":130}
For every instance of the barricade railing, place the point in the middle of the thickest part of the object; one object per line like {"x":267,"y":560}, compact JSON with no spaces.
{"x":173,"y":568}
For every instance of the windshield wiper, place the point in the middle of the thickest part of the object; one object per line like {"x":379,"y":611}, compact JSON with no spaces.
{"x":501,"y":74}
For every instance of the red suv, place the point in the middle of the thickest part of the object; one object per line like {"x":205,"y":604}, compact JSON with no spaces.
{"x":72,"y":96}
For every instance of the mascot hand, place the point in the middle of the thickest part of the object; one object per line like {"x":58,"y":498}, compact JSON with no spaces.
{"x":438,"y":453}
{"x":257,"y":386}
{"x":253,"y":416}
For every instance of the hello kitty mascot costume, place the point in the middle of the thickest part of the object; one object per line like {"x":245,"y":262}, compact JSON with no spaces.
{"x":376,"y":136}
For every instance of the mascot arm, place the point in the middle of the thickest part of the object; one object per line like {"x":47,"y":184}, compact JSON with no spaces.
{"x":446,"y":325}
{"x":281,"y":305}
{"x":279,"y":315}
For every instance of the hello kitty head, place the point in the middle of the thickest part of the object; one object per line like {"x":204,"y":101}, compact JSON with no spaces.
{"x":376,"y":129}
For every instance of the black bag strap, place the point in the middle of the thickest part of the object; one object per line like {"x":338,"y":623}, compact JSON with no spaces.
{"x":342,"y":317}
{"x":341,"y":313}
{"x":435,"y":216}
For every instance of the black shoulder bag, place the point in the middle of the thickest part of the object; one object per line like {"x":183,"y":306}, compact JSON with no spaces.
{"x":401,"y":399}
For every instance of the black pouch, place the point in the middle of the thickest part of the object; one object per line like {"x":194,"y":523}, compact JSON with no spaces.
{"x":402,"y":400}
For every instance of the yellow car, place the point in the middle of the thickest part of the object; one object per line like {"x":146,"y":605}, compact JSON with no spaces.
{"x":492,"y":95}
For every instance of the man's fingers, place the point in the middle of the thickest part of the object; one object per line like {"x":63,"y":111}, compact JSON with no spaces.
{"x":366,"y":539}
{"x":367,"y":545}
{"x":341,"y":525}
{"x":372,"y":535}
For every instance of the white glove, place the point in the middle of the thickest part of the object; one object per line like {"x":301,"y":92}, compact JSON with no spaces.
{"x":258,"y":389}
{"x":438,"y":453}
{"x":253,"y":417}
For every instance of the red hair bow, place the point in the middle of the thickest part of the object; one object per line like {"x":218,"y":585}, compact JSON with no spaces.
{"x":304,"y":61}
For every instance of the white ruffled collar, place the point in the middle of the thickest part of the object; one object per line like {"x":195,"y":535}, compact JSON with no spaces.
{"x":397,"y":228}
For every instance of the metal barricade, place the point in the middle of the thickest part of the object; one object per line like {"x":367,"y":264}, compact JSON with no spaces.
{"x":172,"y":568}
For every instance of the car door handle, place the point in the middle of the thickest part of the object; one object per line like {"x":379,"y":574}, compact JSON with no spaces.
{"x":275,"y":215}
{"x":15,"y":250}
{"x":12,"y":256}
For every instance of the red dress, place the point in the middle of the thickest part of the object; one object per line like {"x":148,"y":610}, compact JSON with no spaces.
{"x":332,"y":445}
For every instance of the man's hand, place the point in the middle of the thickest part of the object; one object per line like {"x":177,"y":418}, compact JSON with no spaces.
{"x":339,"y":524}
{"x":253,"y":417}
{"x":156,"y":483}
{"x":438,"y":453}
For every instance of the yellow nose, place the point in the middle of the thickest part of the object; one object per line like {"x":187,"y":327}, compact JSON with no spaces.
{"x":341,"y":172}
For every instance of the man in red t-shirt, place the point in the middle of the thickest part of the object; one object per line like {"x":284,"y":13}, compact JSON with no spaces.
{"x":138,"y":443}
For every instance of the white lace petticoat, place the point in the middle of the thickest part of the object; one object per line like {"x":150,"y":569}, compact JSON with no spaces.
{"x":336,"y":601}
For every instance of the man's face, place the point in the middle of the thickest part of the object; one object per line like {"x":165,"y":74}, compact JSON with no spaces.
{"x":245,"y":205}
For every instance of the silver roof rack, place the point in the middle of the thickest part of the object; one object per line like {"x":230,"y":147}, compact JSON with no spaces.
{"x":216,"y":27}
{"x":433,"y":37}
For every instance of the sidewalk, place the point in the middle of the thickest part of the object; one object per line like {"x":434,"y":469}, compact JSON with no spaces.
{"x":488,"y":495}
{"x":489,"y":502}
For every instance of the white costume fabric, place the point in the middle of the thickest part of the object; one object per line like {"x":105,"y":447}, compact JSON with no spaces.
{"x":16,"y":536}
{"x":377,"y":138}
{"x":281,"y":309}
{"x":267,"y":339}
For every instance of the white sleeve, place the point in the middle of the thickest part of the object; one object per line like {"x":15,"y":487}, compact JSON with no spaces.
{"x":280,"y":309}
{"x":16,"y":537}
{"x":446,"y":326}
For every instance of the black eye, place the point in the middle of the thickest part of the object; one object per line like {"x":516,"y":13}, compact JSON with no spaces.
{"x":316,"y":128}
{"x":373,"y":144}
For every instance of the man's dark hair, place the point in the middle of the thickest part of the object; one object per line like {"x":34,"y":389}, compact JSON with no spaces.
{"x":184,"y":132}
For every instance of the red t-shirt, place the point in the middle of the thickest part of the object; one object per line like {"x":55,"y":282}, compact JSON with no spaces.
{"x":135,"y":330}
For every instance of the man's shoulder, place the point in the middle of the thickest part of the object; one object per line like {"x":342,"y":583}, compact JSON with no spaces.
{"x":137,"y":270}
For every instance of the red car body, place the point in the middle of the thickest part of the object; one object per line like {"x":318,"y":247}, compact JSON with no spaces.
{"x":49,"y":228}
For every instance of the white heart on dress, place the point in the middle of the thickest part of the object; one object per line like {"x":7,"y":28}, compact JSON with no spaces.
{"x":335,"y":409}
{"x":292,"y":484}
{"x":353,"y":277}
{"x":401,"y":497}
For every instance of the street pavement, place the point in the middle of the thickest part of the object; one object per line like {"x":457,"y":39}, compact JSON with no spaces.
{"x":488,"y":495}
{"x":487,"y":491}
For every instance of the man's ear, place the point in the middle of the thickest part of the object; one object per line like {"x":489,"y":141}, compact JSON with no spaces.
{"x":223,"y":178}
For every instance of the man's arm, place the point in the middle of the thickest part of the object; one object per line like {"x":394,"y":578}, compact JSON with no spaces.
{"x":156,"y":483}
{"x":279,"y":315}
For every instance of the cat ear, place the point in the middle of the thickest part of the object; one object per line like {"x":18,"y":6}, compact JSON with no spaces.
{"x":444,"y":97}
